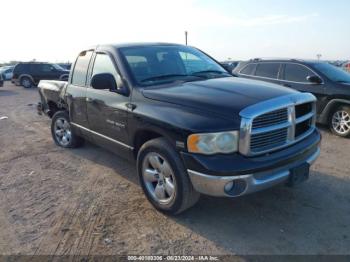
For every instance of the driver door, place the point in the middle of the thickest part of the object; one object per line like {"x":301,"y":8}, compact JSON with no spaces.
{"x":106,"y":110}
{"x":294,"y":76}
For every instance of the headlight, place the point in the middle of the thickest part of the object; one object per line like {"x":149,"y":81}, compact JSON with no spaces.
{"x":213,"y":143}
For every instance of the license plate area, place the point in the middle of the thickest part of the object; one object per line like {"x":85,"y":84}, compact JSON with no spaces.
{"x":299,"y":174}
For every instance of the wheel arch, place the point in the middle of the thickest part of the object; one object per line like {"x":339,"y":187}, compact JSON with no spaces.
{"x":26,"y":75}
{"x":144,"y":135}
{"x":332,"y":105}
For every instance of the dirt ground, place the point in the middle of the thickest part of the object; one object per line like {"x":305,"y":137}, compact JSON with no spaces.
{"x":87,"y":201}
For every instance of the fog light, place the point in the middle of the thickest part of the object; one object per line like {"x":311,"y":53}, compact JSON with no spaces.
{"x":228,"y":187}
{"x":236,"y":187}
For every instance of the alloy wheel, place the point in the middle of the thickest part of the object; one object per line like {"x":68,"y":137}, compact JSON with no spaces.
{"x":62,"y":131}
{"x":159,"y":178}
{"x":341,"y":122}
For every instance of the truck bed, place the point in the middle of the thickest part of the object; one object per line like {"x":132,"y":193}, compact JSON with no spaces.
{"x":51,"y":93}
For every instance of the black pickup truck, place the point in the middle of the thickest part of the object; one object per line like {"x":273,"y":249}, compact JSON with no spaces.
{"x":190,"y":126}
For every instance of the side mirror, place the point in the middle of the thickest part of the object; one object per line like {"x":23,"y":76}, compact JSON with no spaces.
{"x":104,"y":81}
{"x":314,"y":80}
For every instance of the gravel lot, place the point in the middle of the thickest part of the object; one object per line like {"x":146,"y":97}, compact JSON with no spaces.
{"x":87,"y":201}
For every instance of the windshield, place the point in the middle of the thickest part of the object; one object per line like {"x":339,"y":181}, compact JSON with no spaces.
{"x":333,"y":73}
{"x":151,"y":65}
{"x":58,"y":67}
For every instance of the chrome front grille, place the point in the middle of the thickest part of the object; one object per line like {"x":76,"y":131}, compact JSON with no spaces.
{"x":264,"y":141}
{"x":277,"y":123}
{"x":271,"y":118}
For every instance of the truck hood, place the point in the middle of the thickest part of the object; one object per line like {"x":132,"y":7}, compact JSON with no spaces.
{"x":224,"y":96}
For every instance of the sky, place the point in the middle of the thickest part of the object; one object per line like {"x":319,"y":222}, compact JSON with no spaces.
{"x":237,"y":29}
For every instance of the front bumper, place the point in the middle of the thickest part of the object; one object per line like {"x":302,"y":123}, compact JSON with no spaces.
{"x":248,"y":175}
{"x":242,"y":185}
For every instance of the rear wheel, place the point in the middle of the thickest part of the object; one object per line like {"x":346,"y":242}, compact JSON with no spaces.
{"x":340,"y":121}
{"x":26,"y":82}
{"x":163,"y":177}
{"x":62,"y":133}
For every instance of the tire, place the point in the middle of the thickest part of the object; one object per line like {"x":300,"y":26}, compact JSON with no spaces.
{"x":26,"y":82}
{"x":62,"y":133}
{"x":339,"y":121}
{"x":159,"y":166}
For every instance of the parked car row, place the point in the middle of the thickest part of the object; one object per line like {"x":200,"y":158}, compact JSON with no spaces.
{"x":325,"y":80}
{"x":29,"y":74}
{"x":329,"y":84}
{"x":6,"y":72}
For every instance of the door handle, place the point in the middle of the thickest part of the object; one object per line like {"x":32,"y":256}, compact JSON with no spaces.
{"x":88,"y":99}
{"x":287,"y":85}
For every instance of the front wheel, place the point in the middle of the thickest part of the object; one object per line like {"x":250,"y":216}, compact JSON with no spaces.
{"x":62,"y":132}
{"x":340,"y":121}
{"x":163,"y":177}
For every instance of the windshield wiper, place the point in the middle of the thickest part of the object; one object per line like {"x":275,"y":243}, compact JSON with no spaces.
{"x":161,"y":77}
{"x":342,"y":82}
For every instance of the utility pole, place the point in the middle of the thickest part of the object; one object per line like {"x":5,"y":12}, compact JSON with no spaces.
{"x":319,"y":57}
{"x":186,"y":33}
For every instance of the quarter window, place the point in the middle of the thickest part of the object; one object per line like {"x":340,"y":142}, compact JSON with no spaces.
{"x":297,"y":73}
{"x":81,"y":68}
{"x":269,"y":70}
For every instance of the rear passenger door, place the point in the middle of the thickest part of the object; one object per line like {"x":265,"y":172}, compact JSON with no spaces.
{"x":43,"y":72}
{"x":107,"y":110}
{"x":76,"y":90}
{"x":268,"y":71}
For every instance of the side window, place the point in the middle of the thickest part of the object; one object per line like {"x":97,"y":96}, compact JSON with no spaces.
{"x":269,"y":70}
{"x":44,"y":68}
{"x":81,"y":68}
{"x":248,"y":69}
{"x":296,"y":73}
{"x":104,"y":64}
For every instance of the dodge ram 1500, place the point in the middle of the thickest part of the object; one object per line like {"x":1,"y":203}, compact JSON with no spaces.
{"x":190,"y":127}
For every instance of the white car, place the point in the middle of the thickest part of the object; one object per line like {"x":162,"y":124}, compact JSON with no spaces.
{"x":7,"y":72}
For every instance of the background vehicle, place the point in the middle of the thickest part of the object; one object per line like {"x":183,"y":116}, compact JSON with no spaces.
{"x":65,"y":66}
{"x":29,"y":74}
{"x":346,"y":66}
{"x":7,"y":72}
{"x":190,"y":126}
{"x":229,"y":65}
{"x":1,"y":80}
{"x":330,"y":85}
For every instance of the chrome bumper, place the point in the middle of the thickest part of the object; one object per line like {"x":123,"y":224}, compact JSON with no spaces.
{"x":242,"y":185}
